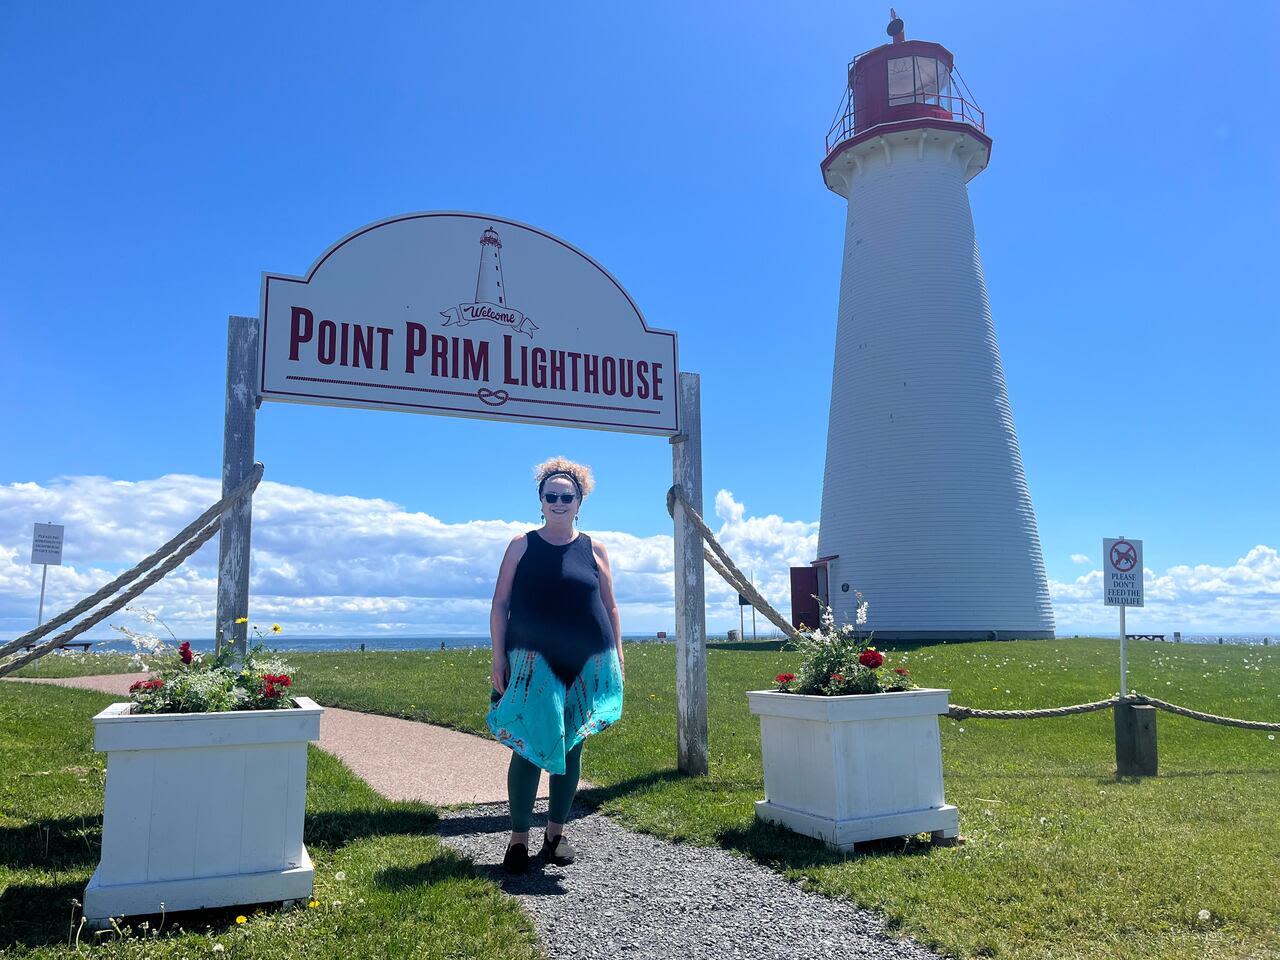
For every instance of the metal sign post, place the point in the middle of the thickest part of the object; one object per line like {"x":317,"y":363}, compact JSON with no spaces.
{"x":46,"y":548}
{"x":1135,"y":724}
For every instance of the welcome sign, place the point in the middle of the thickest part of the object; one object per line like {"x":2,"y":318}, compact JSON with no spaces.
{"x":467,"y":315}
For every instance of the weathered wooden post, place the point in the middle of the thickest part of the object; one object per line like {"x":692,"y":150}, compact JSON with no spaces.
{"x":243,"y":347}
{"x":1136,"y":740}
{"x":691,"y":614}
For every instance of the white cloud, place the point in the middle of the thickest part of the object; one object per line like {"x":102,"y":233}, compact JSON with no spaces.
{"x":340,"y":565}
{"x":354,"y":566}
{"x":1241,"y":598}
{"x":1079,"y":558}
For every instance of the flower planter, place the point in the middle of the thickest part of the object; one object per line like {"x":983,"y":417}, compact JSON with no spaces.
{"x":202,"y":809}
{"x":854,"y":768}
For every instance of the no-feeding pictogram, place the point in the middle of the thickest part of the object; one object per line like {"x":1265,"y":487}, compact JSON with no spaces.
{"x":1124,"y":556}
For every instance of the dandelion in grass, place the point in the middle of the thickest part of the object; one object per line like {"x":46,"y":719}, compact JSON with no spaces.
{"x":340,"y":875}
{"x":1203,"y":916}
{"x":312,"y":904}
{"x":242,"y":919}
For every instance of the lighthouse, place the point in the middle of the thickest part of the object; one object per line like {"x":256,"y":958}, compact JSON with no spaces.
{"x":489,"y":287}
{"x":925,"y":507}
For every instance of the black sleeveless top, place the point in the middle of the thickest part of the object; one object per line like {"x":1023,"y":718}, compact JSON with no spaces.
{"x":556,"y":608}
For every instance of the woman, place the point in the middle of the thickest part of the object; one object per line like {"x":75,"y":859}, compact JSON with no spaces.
{"x":557,"y":657}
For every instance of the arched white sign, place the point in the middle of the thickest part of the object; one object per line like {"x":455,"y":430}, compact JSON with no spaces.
{"x":467,"y":315}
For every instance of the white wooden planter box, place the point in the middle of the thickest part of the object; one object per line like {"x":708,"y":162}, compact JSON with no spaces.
{"x":854,"y":768}
{"x":202,"y":809}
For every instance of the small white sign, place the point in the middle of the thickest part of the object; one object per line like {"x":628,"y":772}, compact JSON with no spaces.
{"x":46,"y":543}
{"x":1122,"y":572}
{"x":471,"y":316}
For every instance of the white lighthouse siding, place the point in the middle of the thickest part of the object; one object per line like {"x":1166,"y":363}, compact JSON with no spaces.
{"x":924,"y":496}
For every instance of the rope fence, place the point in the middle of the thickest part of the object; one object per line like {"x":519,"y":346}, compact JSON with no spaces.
{"x":720,"y":562}
{"x":195,"y":535}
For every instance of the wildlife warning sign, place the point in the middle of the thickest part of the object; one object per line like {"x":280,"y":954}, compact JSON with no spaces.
{"x":1122,"y":572}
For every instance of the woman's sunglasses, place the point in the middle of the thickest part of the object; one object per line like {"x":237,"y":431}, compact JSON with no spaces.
{"x":562,"y":497}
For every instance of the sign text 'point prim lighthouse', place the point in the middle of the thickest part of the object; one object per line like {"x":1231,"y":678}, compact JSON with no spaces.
{"x":378,"y":322}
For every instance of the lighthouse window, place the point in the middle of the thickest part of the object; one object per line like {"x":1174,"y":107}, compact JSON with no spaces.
{"x":918,"y":80}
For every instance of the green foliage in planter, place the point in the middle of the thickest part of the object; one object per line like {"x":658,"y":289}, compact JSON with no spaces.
{"x":835,"y":661}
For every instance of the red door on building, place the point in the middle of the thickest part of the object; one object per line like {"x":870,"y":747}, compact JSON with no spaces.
{"x":804,"y":593}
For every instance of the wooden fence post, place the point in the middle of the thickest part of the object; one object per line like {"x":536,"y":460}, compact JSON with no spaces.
{"x":691,"y":613}
{"x":1136,"y":754}
{"x":239,"y":425}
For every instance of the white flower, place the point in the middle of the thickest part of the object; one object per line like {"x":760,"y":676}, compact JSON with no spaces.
{"x":1203,"y":915}
{"x":1271,"y":736}
{"x":218,"y":948}
{"x":340,"y":876}
{"x":1043,"y":821}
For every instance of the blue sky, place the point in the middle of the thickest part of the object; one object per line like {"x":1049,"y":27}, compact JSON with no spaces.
{"x":160,"y":156}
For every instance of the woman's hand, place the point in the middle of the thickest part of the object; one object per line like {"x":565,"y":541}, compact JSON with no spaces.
{"x":498,"y":675}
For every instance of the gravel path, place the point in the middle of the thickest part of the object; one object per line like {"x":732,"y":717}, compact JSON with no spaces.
{"x":634,"y":895}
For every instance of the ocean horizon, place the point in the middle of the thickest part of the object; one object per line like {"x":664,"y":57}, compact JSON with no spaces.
{"x":331,"y":643}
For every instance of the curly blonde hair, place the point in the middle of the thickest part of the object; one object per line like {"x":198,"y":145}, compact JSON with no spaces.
{"x":580,"y":473}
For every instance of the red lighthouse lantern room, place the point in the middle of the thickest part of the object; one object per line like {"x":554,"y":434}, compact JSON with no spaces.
{"x":903,"y":83}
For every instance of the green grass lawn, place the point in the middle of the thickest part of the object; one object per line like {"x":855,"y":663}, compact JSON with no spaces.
{"x":402,"y":893}
{"x":1063,"y":859}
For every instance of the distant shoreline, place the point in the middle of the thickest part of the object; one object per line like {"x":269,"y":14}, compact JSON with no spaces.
{"x":352,"y":643}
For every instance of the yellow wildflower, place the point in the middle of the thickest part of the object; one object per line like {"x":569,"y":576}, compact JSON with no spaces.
{"x":242,"y":619}
{"x":275,"y":628}
{"x":242,"y":919}
{"x":313,"y":903}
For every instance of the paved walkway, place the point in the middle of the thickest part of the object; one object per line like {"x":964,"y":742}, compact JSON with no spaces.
{"x":628,"y":895}
{"x":401,"y":759}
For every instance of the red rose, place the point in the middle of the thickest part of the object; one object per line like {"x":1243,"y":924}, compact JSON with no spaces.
{"x":284,"y":680}
{"x":901,"y":671}
{"x":136,"y":686}
{"x":784,"y":677}
{"x":838,"y":677}
{"x":184,"y":651}
{"x":870,"y":659}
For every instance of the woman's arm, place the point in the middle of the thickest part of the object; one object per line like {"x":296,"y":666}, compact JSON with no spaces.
{"x":606,"y":594}
{"x":501,"y":609}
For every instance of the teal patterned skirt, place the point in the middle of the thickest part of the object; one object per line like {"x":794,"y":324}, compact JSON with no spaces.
{"x":541,"y":719}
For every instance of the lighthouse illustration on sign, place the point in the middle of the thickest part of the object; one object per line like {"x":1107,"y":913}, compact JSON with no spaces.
{"x":491,"y":296}
{"x":925,"y":507}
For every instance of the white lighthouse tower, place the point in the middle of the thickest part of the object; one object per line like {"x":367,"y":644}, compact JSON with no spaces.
{"x":489,"y":287}
{"x":925,"y":508}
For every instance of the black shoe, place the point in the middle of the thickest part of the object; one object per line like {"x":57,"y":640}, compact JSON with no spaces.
{"x":517,"y":859}
{"x":557,"y":850}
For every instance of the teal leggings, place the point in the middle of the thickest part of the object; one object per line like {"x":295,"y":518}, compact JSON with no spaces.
{"x":522,"y":788}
